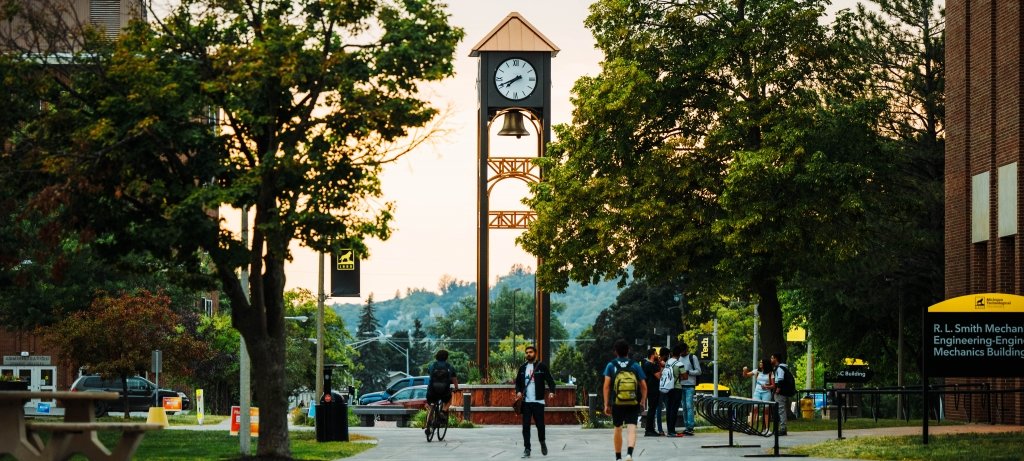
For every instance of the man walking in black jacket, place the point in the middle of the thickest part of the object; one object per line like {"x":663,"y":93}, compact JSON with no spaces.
{"x":530,"y":381}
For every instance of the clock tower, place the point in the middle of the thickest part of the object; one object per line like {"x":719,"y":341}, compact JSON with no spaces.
{"x":514,"y":84}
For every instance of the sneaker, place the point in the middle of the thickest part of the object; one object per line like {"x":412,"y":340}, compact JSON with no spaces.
{"x":651,"y":434}
{"x":526,"y":453}
{"x":688,"y":432}
{"x":678,"y":434}
{"x":629,"y":458}
{"x":543,"y":448}
{"x":661,"y":433}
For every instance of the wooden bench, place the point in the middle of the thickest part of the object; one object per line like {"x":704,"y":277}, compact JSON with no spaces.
{"x":69,"y":438}
{"x":369,"y":413}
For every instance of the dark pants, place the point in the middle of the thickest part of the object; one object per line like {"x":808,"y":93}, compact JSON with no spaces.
{"x":652,"y":405}
{"x":675,"y":397}
{"x":535,"y":410}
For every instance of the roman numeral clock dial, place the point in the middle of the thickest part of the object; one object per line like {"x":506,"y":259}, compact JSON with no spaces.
{"x":515,"y":79}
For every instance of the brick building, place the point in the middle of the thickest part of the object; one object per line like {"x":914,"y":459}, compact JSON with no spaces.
{"x":984,"y":251}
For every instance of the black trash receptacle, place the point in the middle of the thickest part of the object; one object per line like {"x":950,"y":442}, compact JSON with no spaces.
{"x":332,"y":419}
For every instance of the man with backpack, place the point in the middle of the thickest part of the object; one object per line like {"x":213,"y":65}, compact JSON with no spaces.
{"x":625,"y":393}
{"x":530,"y":381}
{"x":783,"y":388}
{"x":689,"y":368}
{"x":439,"y":386}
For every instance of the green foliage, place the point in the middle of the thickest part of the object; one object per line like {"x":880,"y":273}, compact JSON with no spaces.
{"x":301,"y":352}
{"x":639,"y":309}
{"x":903,"y":43}
{"x":720,"y":147}
{"x":286,"y":107}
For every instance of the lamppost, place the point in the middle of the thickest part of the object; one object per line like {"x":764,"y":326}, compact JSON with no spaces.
{"x":517,"y":290}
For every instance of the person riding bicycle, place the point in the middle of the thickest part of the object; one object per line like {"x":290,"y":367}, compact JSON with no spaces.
{"x":439,"y":387}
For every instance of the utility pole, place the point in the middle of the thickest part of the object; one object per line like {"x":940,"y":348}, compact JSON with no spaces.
{"x":320,"y":298}
{"x":244,"y":390}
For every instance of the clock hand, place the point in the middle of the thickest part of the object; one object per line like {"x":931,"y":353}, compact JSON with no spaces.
{"x":510,"y":82}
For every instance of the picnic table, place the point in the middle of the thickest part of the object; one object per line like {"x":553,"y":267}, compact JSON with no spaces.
{"x":77,"y":433}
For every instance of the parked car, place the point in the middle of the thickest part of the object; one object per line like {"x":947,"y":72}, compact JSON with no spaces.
{"x":403,"y":383}
{"x":141,"y":393}
{"x":410,"y":397}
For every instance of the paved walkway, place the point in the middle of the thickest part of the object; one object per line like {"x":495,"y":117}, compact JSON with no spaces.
{"x":574,"y":443}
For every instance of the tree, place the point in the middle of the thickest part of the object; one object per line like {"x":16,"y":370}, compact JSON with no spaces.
{"x":117,"y":335}
{"x":307,"y":98}
{"x":373,"y":359}
{"x":903,"y":44}
{"x":718,"y":150}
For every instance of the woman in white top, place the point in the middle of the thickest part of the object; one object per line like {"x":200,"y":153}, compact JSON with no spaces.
{"x":764,"y":376}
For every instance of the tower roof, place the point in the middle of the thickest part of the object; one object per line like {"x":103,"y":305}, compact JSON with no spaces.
{"x":514,"y":33}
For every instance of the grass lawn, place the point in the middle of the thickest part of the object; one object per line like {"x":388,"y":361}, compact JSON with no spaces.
{"x":950,"y":447}
{"x":209,"y":445}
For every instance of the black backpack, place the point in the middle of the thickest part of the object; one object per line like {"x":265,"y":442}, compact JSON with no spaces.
{"x":786,"y":387}
{"x":440,"y":377}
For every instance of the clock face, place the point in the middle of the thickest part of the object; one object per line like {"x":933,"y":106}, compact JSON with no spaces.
{"x":515,"y":79}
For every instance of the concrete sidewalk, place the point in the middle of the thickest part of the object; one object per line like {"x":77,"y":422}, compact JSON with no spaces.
{"x":574,"y":443}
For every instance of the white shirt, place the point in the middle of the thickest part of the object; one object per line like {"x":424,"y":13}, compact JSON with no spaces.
{"x":531,"y":390}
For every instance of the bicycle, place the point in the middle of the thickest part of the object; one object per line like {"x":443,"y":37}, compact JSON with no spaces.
{"x":437,"y":424}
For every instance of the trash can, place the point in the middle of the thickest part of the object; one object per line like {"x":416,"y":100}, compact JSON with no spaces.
{"x":332,"y":413}
{"x":807,"y":407}
{"x":332,"y":418}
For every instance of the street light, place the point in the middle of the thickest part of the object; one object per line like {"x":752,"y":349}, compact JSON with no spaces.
{"x":517,"y":290}
{"x":301,"y":318}
{"x":382,"y":338}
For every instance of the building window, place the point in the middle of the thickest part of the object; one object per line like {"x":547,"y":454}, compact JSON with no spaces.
{"x":1007,"y":197}
{"x":208,"y":306}
{"x":979,"y":207}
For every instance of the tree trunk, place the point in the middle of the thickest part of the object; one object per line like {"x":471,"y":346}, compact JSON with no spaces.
{"x":773,"y":339}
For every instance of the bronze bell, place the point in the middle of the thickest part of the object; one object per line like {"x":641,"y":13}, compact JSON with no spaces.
{"x":513,"y":125}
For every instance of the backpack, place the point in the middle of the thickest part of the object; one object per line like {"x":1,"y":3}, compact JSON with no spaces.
{"x":786,"y":387}
{"x":696,"y":366}
{"x":625,"y":385}
{"x":668,"y":379}
{"x":440,"y":378}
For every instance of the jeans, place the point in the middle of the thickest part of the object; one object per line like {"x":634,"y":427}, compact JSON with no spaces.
{"x":536,"y":410}
{"x":783,"y":402}
{"x":662,"y":401}
{"x":674,"y":396}
{"x":652,"y":411}
{"x":687,"y":402}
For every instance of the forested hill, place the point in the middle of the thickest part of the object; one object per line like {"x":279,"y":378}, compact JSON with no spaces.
{"x":582,"y":304}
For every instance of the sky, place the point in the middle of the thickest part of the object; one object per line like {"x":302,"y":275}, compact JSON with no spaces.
{"x":434,"y":188}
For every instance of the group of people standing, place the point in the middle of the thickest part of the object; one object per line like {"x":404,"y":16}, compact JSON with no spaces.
{"x":674,"y":375}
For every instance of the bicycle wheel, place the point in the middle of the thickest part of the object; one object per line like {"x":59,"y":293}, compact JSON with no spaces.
{"x":429,"y":426}
{"x":442,"y":425}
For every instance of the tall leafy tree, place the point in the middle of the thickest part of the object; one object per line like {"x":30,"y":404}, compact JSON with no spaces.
{"x":902,"y":42}
{"x":716,"y":149}
{"x":287,"y":108}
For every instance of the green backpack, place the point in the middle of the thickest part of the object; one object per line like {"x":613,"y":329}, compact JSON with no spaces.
{"x":625,"y":385}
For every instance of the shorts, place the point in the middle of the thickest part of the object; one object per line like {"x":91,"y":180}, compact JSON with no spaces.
{"x":625,"y":415}
{"x":435,"y":396}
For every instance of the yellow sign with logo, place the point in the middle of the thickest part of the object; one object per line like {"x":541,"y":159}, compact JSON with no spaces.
{"x":982,"y":302}
{"x":346,"y":260}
